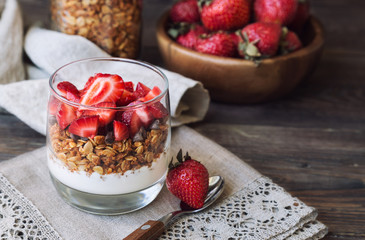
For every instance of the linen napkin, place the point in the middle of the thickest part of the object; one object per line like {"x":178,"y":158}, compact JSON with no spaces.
{"x":11,"y":42}
{"x":50,"y":50}
{"x":251,"y":207}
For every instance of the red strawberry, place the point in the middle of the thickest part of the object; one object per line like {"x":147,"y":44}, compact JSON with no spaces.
{"x":69,"y":91}
{"x":134,"y":125}
{"x":86,"y":126}
{"x":275,"y":11}
{"x":65,"y":115}
{"x":224,"y":14}
{"x":145,"y":116}
{"x":190,"y":38}
{"x":158,"y":110}
{"x":189,"y":181}
{"x":290,"y":42}
{"x":129,"y":86}
{"x":126,"y":98}
{"x":53,"y":104}
{"x":105,"y":115}
{"x":260,"y":40}
{"x":185,"y":11}
{"x":301,"y":15}
{"x":155,"y":91}
{"x":102,"y":88}
{"x":141,"y":90}
{"x":120,"y":131}
{"x":219,"y":44}
{"x":132,"y":120}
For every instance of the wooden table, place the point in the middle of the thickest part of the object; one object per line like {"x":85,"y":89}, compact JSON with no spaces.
{"x":312,"y":142}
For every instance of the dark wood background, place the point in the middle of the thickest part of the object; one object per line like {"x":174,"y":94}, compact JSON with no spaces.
{"x":311,"y":142}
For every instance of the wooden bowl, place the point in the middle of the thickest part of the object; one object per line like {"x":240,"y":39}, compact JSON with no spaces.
{"x":233,"y":80}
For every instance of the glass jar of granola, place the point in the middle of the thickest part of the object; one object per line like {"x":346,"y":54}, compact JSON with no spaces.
{"x":114,"y":25}
{"x":108,"y":134}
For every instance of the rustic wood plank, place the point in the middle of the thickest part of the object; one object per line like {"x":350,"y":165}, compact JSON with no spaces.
{"x":310,"y":142}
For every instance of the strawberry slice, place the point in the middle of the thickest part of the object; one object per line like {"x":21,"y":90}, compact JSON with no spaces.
{"x":129,"y":86}
{"x":65,"y":115}
{"x":151,"y":94}
{"x":141,"y":90}
{"x":102,"y":88}
{"x":145,"y":116}
{"x":105,"y":115}
{"x":69,"y":91}
{"x":86,"y":126}
{"x":53,"y":104}
{"x":126,"y":98}
{"x":158,"y":110}
{"x":131,"y":119}
{"x":120,"y":131}
{"x":134,"y":125}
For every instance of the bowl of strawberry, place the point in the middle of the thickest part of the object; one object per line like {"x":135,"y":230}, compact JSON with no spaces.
{"x":243,"y":51}
{"x":108,"y":134}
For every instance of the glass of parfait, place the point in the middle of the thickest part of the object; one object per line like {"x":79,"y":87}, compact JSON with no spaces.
{"x":108,"y":134}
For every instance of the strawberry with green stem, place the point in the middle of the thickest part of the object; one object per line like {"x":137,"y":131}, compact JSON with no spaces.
{"x":259,"y":40}
{"x":188,"y":180}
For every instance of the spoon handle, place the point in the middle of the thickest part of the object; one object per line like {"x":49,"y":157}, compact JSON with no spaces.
{"x":150,"y":230}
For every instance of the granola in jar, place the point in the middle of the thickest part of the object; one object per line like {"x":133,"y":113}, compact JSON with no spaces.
{"x":113,"y":25}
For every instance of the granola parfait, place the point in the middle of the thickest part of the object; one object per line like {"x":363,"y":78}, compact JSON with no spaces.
{"x":108,"y":134}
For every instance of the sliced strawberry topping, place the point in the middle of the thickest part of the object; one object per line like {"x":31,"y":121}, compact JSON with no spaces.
{"x":86,"y":126}
{"x":53,"y":104}
{"x":141,"y":90}
{"x":120,"y":131}
{"x":65,"y":87}
{"x":135,"y":124}
{"x":131,"y":119}
{"x":152,"y":94}
{"x":129,"y":86}
{"x":69,"y":91}
{"x":65,"y":115}
{"x":105,"y":115}
{"x":158,"y":110}
{"x":126,"y":98}
{"x":145,"y":116}
{"x":102,"y":88}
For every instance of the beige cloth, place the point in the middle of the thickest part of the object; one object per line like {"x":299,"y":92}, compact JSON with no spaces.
{"x":251,"y":204}
{"x":49,"y":50}
{"x":11,"y":42}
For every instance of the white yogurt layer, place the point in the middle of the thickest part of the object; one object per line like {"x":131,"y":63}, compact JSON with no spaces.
{"x":130,"y":181}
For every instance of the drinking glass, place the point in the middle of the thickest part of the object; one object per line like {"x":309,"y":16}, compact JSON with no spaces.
{"x":95,"y":164}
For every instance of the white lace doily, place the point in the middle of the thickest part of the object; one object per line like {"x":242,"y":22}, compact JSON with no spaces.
{"x":262,"y":210}
{"x":19,"y":218}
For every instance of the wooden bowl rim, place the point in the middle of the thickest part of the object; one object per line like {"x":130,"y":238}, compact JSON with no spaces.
{"x":316,"y":43}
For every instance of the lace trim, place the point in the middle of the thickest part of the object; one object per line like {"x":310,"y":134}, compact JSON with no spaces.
{"x":262,"y":210}
{"x":19,"y":218}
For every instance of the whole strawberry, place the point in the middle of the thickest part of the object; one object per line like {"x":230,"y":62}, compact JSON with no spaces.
{"x":259,"y":40}
{"x":219,"y":44}
{"x":275,"y":11}
{"x":190,"y":38}
{"x":189,"y":181}
{"x":224,"y":14}
{"x":290,"y":42}
{"x":301,"y":16}
{"x":185,"y":11}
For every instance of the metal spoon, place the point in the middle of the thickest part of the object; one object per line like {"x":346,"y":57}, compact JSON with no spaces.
{"x":153,"y":229}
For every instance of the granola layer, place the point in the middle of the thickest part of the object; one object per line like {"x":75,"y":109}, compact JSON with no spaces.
{"x":103,"y":157}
